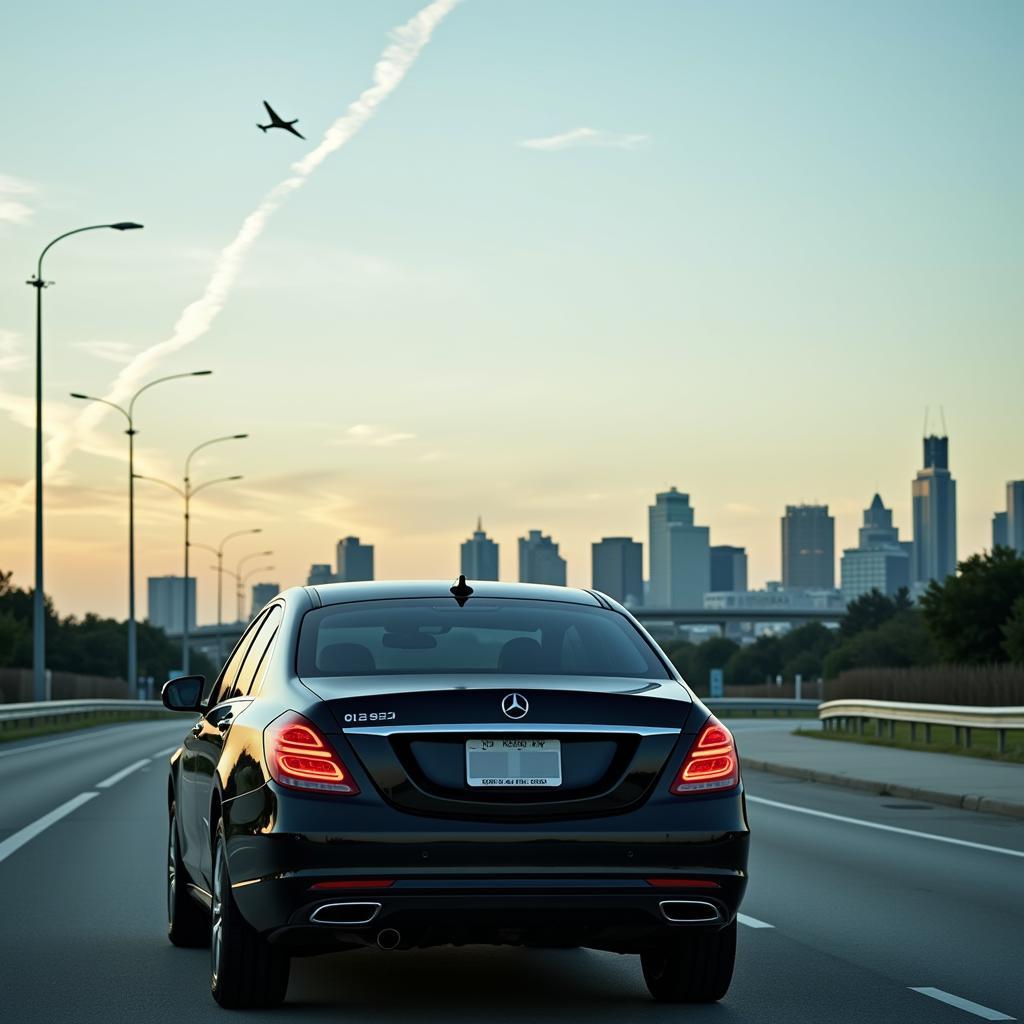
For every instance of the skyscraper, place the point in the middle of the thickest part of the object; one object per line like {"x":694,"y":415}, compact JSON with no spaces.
{"x":539,"y":560}
{"x":880,"y":561}
{"x":617,"y":568}
{"x":479,"y":556}
{"x":679,"y":552}
{"x":355,"y":560}
{"x":262,"y":593}
{"x":1000,"y":534}
{"x":1015,"y":516}
{"x":934,"y":500}
{"x":808,"y":547}
{"x":319,"y":573}
{"x":166,"y":598}
{"x":728,"y":568}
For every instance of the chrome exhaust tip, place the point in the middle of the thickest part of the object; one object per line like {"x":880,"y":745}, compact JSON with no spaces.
{"x":389,"y":938}
{"x":345,"y":913}
{"x":690,"y":911}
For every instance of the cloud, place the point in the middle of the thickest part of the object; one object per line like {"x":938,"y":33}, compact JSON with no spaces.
{"x":196,"y":319}
{"x":109,"y":351}
{"x":592,"y":137}
{"x":374,"y":436}
{"x":14,"y":211}
{"x":11,"y":355}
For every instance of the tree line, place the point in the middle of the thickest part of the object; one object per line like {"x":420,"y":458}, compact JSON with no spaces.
{"x":975,"y":617}
{"x":91,"y":645}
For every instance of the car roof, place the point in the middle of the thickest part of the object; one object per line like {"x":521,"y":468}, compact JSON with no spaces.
{"x":381,"y":590}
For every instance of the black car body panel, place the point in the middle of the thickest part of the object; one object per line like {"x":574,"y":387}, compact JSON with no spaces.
{"x":589,"y":862}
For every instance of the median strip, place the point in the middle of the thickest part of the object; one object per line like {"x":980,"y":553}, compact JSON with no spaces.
{"x":22,"y":836}
{"x":123,"y":773}
{"x":886,"y":828}
{"x":963,"y":1004}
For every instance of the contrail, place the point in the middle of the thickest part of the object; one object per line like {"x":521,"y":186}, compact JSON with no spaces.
{"x":198,"y":317}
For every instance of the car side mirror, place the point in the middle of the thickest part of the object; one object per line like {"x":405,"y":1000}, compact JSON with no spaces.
{"x":184,"y":693}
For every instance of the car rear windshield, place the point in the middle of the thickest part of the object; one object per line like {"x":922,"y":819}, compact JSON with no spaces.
{"x":431,"y":636}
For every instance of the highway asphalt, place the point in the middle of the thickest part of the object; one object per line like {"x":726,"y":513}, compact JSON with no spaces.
{"x":854,"y":902}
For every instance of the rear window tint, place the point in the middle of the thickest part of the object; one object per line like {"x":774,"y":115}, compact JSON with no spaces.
{"x":430,"y":636}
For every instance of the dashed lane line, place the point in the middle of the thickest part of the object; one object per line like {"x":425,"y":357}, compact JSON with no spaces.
{"x":123,"y":773}
{"x":752,"y":922}
{"x":165,"y":753}
{"x":22,"y":836}
{"x":886,"y":828}
{"x":83,"y":734}
{"x":963,"y":1004}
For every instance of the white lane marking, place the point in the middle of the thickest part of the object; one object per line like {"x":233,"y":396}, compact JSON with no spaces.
{"x":165,"y":753}
{"x":887,"y":828}
{"x":83,"y":734}
{"x":22,"y":836}
{"x":123,"y":773}
{"x":963,"y":1004}
{"x":752,"y":922}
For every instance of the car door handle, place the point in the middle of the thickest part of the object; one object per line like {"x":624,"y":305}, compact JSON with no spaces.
{"x":197,"y":728}
{"x":225,"y":723}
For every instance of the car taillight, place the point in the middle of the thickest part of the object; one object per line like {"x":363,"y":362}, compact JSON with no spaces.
{"x":298,"y":756}
{"x":711,"y":763}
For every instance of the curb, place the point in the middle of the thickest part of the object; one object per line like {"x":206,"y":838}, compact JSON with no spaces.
{"x":987,"y":804}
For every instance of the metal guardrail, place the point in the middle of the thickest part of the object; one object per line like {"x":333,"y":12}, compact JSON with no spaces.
{"x":838,"y":714}
{"x":754,"y":705}
{"x":52,"y":711}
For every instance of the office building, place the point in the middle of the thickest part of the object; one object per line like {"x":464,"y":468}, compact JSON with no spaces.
{"x":679,"y":553}
{"x":775,"y":598}
{"x":320,"y":573}
{"x":728,"y":568}
{"x":1000,"y":534}
{"x":617,"y":569}
{"x":166,"y":603}
{"x":479,"y":556}
{"x":1015,"y":516}
{"x":880,"y":561}
{"x":934,"y":503}
{"x":808,"y":548}
{"x":539,"y":560}
{"x":355,"y":561}
{"x":262,"y":593}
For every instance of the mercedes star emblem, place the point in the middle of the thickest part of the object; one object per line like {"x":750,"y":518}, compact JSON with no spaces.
{"x":515,"y":705}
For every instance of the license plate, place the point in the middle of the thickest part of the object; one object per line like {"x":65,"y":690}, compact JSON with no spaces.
{"x":508,"y":762}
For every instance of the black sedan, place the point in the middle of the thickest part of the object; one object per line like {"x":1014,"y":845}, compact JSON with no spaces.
{"x":404,"y":765}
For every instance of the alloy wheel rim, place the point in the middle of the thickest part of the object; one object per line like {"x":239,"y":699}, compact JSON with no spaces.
{"x":217,"y":913}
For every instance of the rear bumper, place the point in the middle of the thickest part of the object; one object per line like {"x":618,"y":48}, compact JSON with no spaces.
{"x":582,"y":882}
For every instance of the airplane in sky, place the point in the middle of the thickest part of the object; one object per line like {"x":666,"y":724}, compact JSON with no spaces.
{"x":276,"y":122}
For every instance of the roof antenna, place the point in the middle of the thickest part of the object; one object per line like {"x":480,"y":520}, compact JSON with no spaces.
{"x":942,"y":413}
{"x":461,"y":591}
{"x":925,"y":433}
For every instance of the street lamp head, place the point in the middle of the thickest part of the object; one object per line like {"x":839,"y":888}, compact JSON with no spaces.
{"x":75,"y":394}
{"x":236,"y":477}
{"x":201,"y":373}
{"x":125,"y":225}
{"x":239,"y":437}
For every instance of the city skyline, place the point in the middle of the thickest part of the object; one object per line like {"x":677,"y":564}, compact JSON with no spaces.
{"x":668,"y":278}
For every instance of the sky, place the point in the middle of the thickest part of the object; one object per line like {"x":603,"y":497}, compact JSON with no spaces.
{"x":577,"y":254}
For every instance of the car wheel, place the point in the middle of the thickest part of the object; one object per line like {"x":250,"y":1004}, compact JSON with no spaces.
{"x":187,"y":922}
{"x":245,"y":970}
{"x":694,"y":966}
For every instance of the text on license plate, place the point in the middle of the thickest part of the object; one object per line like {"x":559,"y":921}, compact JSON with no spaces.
{"x":513,"y":762}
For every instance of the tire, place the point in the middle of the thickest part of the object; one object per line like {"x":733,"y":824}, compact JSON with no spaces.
{"x":692,"y":966}
{"x":245,"y":970}
{"x":188,"y":924}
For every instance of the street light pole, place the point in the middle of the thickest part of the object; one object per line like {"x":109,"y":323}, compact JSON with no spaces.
{"x":219,"y":552}
{"x":129,"y":415}
{"x":238,"y":577}
{"x":189,"y":491}
{"x":38,"y":599}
